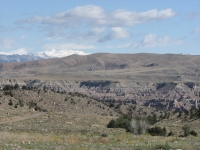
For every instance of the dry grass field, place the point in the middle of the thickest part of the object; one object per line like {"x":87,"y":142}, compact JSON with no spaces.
{"x":63,"y":128}
{"x":115,"y":139}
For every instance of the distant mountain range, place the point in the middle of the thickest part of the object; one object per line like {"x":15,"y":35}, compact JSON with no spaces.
{"x":38,"y":56}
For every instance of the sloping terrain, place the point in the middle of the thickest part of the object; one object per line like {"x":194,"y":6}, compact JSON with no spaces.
{"x":167,"y":81}
{"x":153,"y":67}
{"x":75,"y":121}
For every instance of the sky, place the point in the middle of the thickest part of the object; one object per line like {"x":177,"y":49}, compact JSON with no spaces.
{"x":92,"y":26}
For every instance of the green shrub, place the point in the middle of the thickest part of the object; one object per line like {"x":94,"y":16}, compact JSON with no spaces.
{"x":157,"y":131}
{"x":170,"y":133}
{"x":72,"y":101}
{"x":31,"y":104}
{"x":193,"y":133}
{"x":10,"y":102}
{"x":21,"y":103}
{"x":9,"y":93}
{"x":37,"y":108}
{"x":24,"y":87}
{"x":152,"y":119}
{"x":164,"y":147}
{"x":121,"y":122}
{"x":179,"y":114}
{"x":104,"y":134}
{"x":7,"y":87}
{"x":111,"y":105}
{"x":186,"y":130}
{"x":16,"y":86}
{"x":111,"y":124}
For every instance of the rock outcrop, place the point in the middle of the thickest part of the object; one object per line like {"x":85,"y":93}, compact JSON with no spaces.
{"x":167,"y":96}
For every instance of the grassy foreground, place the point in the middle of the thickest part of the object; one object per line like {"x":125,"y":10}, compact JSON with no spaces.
{"x":85,"y":141}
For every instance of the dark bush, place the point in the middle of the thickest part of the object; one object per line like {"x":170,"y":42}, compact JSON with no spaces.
{"x":186,"y":130}
{"x":193,"y":133}
{"x":10,"y":102}
{"x":7,"y":87}
{"x":21,"y":103}
{"x":24,"y":87}
{"x":32,"y":104}
{"x":111,"y":124}
{"x":157,"y":131}
{"x":8,"y":93}
{"x":111,"y":105}
{"x":170,"y":133}
{"x":179,"y":114}
{"x":37,"y":108}
{"x":104,"y":134}
{"x":122,"y":122}
{"x":16,"y":86}
{"x":152,"y":119}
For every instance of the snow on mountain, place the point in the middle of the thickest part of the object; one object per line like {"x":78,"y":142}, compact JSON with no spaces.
{"x":61,"y":53}
{"x":37,"y":56}
{"x":18,"y":58}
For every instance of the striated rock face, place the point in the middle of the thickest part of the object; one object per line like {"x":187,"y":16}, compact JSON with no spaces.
{"x":172,"y":95}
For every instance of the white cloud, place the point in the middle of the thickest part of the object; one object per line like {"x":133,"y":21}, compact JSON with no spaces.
{"x":72,"y":23}
{"x":23,"y":36}
{"x":20,"y":51}
{"x":130,"y":18}
{"x":95,"y":31}
{"x":119,"y":32}
{"x":71,"y":46}
{"x":115,"y":33}
{"x":71,"y":17}
{"x":197,"y":30}
{"x":95,"y":15}
{"x":6,"y":43}
{"x":89,"y":36}
{"x":151,"y":40}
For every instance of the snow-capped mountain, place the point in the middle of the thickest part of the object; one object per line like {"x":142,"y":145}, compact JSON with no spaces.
{"x":61,"y":53}
{"x":38,"y":56}
{"x":18,"y":58}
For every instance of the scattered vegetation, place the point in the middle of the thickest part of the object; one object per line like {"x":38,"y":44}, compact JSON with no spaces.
{"x":35,"y":106}
{"x":152,"y":119}
{"x":10,"y":102}
{"x":121,"y":122}
{"x":8,"y":93}
{"x":104,"y":134}
{"x":164,"y":147}
{"x":157,"y":131}
{"x":21,"y":103}
{"x":186,"y":130}
{"x":138,"y":125}
{"x":73,"y":101}
{"x":170,"y":133}
{"x":193,"y":133}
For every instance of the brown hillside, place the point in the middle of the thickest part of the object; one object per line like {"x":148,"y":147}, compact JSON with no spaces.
{"x":111,"y":61}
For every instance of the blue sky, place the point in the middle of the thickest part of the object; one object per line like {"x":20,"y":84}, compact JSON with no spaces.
{"x":91,"y":26}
